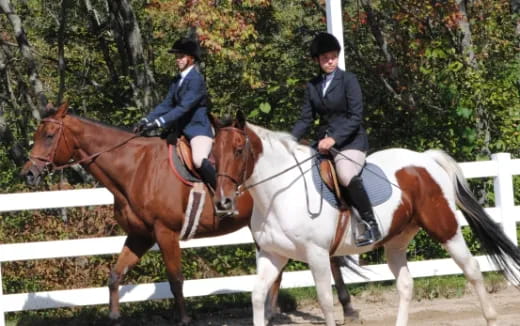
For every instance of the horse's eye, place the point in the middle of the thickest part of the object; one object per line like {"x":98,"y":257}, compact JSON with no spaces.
{"x":49,"y":136}
{"x":239,"y":151}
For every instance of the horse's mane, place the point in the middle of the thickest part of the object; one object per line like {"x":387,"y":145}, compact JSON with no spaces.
{"x":124,"y":129}
{"x":282,"y":137}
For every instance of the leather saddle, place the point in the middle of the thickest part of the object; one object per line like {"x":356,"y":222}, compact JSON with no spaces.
{"x":183,"y":150}
{"x":329,"y":177}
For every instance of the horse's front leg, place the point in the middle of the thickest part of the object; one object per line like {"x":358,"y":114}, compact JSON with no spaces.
{"x":349,"y":313}
{"x":168,"y":241}
{"x":268,"y":266}
{"x":271,"y":303}
{"x":135,"y":247}
{"x":319,"y":263}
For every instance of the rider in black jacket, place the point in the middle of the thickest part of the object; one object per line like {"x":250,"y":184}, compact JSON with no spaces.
{"x":335,"y":95}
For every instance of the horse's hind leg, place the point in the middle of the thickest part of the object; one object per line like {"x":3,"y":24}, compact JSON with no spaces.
{"x":269,"y":266}
{"x":396,"y":257}
{"x":344,"y":297}
{"x":459,"y":251}
{"x":135,"y":247}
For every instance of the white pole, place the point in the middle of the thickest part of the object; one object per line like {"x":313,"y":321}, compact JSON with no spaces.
{"x":335,"y":26}
{"x":504,"y":194}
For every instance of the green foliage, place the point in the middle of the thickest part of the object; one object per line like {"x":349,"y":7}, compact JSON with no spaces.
{"x":445,"y":287}
{"x":256,"y":60}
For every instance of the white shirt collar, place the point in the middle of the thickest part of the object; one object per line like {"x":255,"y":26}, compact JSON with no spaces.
{"x":327,"y":79}
{"x":186,"y":71}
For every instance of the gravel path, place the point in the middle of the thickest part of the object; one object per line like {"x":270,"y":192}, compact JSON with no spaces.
{"x":381,"y":311}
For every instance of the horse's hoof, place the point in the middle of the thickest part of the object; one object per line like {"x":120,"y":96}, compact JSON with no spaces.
{"x":351,"y":315}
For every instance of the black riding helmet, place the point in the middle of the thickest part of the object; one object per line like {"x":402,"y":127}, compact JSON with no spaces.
{"x":186,"y":46}
{"x":323,"y":43}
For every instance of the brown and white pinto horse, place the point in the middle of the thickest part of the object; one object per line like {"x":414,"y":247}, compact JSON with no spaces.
{"x":149,"y":200}
{"x":426,"y":187}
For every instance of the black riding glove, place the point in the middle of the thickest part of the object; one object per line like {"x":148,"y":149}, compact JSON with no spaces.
{"x":139,"y":127}
{"x":144,"y":126}
{"x":152,"y":125}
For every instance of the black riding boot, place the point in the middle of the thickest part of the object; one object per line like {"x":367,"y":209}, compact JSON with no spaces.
{"x":208,"y":173}
{"x":360,"y":200}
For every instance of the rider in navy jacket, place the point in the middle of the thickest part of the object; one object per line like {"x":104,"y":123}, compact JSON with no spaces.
{"x":184,"y":109}
{"x":184,"y":106}
{"x":335,"y":96}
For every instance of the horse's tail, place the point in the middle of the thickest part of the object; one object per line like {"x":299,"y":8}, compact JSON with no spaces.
{"x":502,"y":251}
{"x":351,"y":264}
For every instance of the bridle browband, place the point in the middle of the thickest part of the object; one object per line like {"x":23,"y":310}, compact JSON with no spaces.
{"x":48,"y":161}
{"x":241,"y":188}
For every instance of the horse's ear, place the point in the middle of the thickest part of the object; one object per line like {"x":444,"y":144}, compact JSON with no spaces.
{"x":241,"y":119}
{"x":49,"y":110}
{"x":62,"y":110}
{"x":215,"y":122}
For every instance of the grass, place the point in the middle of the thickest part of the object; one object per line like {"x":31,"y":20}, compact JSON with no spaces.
{"x":239,"y":304}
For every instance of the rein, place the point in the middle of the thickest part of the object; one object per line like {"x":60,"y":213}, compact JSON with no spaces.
{"x":49,"y":160}
{"x":297,"y":165}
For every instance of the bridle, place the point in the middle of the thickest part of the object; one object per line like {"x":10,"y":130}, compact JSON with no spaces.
{"x":241,"y":188}
{"x":245,"y":155}
{"x":46,"y":163}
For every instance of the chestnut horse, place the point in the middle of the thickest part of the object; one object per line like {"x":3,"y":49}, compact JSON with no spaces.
{"x":149,"y":200}
{"x":426,"y":187}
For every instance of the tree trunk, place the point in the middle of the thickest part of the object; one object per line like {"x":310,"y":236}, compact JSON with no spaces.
{"x":25,"y":49}
{"x":130,"y":46}
{"x":515,"y":10}
{"x":466,"y":43}
{"x":466,"y":46}
{"x":95,"y":25}
{"x":61,"y":49}
{"x":388,"y":72}
{"x":15,"y":147}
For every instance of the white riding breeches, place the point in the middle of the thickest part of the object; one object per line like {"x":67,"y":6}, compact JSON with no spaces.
{"x":200,"y":149}
{"x":349,"y":164}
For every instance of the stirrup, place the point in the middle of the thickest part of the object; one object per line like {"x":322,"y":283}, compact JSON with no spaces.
{"x":367,"y":237}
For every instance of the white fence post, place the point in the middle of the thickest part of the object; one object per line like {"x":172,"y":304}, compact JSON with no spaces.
{"x":504,"y":194}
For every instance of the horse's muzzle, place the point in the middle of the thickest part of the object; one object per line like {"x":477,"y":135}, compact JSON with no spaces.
{"x":31,"y":173}
{"x":225,"y":206}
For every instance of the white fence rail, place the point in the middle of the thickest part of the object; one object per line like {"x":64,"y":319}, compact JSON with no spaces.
{"x":502,"y":168}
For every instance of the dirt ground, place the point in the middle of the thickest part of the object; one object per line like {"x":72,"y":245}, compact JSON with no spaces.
{"x":382,"y":311}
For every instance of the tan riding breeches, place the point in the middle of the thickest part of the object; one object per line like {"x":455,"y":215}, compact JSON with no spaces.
{"x":200,"y":149}
{"x":347,"y":168}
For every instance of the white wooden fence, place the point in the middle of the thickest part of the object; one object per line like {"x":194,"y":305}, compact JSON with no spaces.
{"x":502,"y":168}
